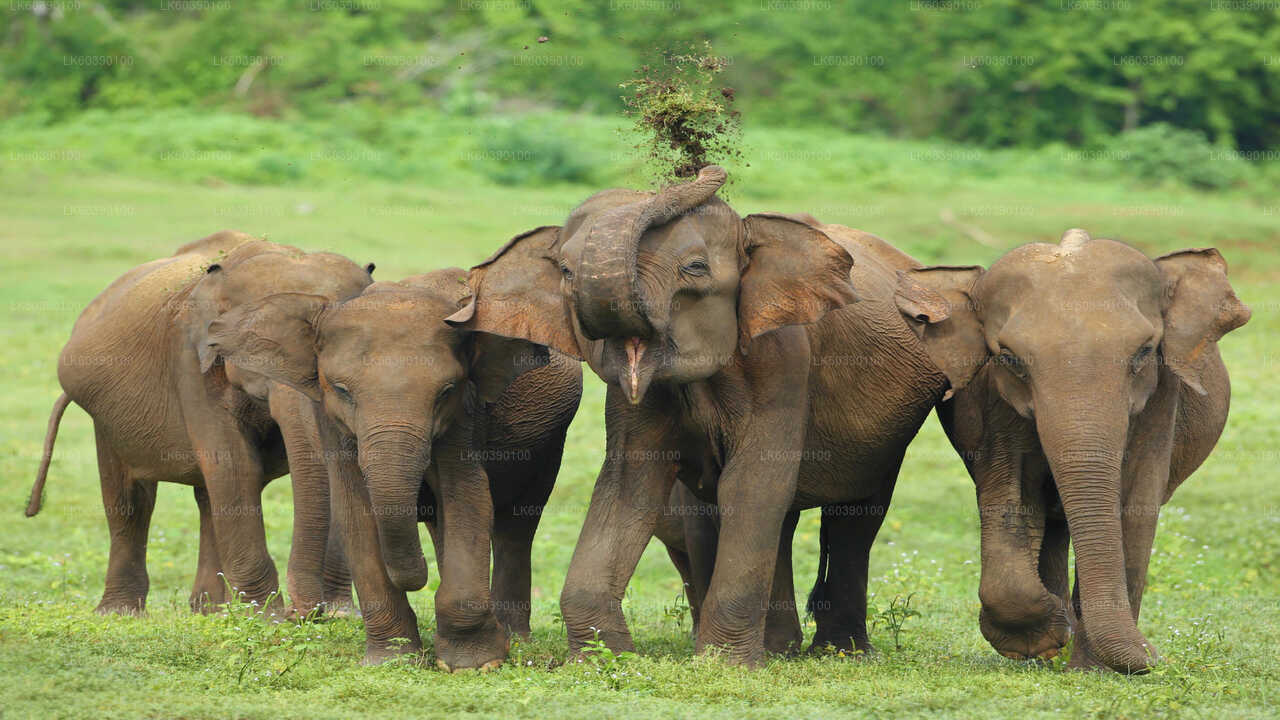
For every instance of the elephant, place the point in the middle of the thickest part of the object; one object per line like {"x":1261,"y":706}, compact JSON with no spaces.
{"x":1087,"y":387}
{"x":737,"y":346}
{"x":163,"y":409}
{"x":422,"y":422}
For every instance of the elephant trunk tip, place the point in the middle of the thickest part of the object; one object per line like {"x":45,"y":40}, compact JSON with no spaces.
{"x":410,"y":577}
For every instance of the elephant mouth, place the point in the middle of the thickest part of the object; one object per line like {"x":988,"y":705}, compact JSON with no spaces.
{"x":635,"y":348}
{"x":632,"y":363}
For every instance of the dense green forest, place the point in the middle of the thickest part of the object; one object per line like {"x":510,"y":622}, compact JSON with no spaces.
{"x":989,"y":72}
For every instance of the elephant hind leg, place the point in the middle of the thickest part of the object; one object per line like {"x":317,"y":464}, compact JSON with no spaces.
{"x":849,"y":531}
{"x":683,"y":565}
{"x":210,"y":590}
{"x":337,"y":576}
{"x":513,"y":530}
{"x":128,"y":506}
{"x":782,"y":634}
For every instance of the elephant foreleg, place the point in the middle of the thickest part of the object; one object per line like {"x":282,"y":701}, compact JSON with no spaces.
{"x":632,"y":488}
{"x":468,"y":634}
{"x":295,"y":417}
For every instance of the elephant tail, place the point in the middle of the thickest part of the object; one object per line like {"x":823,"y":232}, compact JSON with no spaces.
{"x":37,"y":490}
{"x":818,"y":595}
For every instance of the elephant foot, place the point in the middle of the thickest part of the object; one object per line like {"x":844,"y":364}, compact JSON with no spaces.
{"x":486,"y":646}
{"x":783,"y":643}
{"x":491,"y":665}
{"x":1084,"y":658}
{"x":1040,"y":639}
{"x":846,"y":644}
{"x":748,"y":656}
{"x":378,"y":653}
{"x":516,"y":623}
{"x":122,"y":605}
{"x":205,"y":602}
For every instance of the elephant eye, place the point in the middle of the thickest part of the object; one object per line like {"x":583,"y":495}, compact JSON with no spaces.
{"x":445,"y":392}
{"x":566,"y":272}
{"x":1013,"y":363}
{"x":696,"y":268}
{"x":343,"y":392}
{"x":1139,"y":359}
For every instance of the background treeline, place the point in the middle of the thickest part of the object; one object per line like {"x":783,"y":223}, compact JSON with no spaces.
{"x":989,"y":72}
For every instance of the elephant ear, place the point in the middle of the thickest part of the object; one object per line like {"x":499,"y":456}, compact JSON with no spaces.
{"x":516,"y":294}
{"x":795,"y":273}
{"x":497,"y":361}
{"x":201,"y":311}
{"x":1200,"y":307}
{"x":274,"y":337}
{"x":936,"y":303}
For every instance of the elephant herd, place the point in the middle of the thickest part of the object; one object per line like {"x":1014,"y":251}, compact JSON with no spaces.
{"x":755,"y":367}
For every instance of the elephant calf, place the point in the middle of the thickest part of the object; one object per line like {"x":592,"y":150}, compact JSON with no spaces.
{"x":421,"y":421}
{"x":1088,"y":386}
{"x":163,"y":409}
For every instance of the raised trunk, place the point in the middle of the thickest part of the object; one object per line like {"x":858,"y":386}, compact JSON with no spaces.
{"x":1084,"y":440}
{"x":609,"y":302}
{"x":393,"y":463}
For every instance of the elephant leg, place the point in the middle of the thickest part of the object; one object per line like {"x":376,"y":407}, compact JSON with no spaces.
{"x":702,"y":537}
{"x":754,"y":496}
{"x":305,"y":578}
{"x":468,"y":633}
{"x":234,"y":479}
{"x":1021,"y":617}
{"x":782,"y":635}
{"x":337,"y":574}
{"x":391,"y":627}
{"x":128,"y":505}
{"x":680,"y":560}
{"x":631,"y":490}
{"x":209,"y":591}
{"x":677,"y":528}
{"x":513,"y":533}
{"x":1055,"y":569}
{"x":848,"y":533}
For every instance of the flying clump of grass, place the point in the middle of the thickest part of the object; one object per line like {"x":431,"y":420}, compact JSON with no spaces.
{"x":682,"y":114}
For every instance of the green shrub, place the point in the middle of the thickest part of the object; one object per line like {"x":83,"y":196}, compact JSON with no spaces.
{"x":1161,"y":152}
{"x":528,"y":151}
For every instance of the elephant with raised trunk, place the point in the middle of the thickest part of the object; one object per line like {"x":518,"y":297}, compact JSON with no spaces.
{"x":1088,"y":386}
{"x":422,"y":422}
{"x":736,"y":346}
{"x":164,"y":409}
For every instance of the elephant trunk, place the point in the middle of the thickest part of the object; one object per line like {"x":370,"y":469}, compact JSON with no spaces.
{"x":609,"y":301}
{"x":393,"y":462}
{"x":1084,"y":440}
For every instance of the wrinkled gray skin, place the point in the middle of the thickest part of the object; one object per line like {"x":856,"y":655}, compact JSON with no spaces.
{"x":1088,"y":387}
{"x":163,"y":409}
{"x":733,"y":364}
{"x":422,"y":421}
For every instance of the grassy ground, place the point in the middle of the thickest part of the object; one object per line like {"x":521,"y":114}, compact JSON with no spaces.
{"x":78,"y":212}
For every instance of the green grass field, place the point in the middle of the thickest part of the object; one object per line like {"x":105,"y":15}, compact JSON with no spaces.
{"x":77,"y":212}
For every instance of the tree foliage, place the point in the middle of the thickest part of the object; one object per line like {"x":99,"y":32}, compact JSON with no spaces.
{"x":994,"y":72}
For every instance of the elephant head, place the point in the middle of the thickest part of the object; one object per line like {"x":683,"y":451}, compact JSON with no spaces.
{"x":252,"y":271}
{"x":1075,"y":338}
{"x":389,"y":375}
{"x":665,"y":287}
